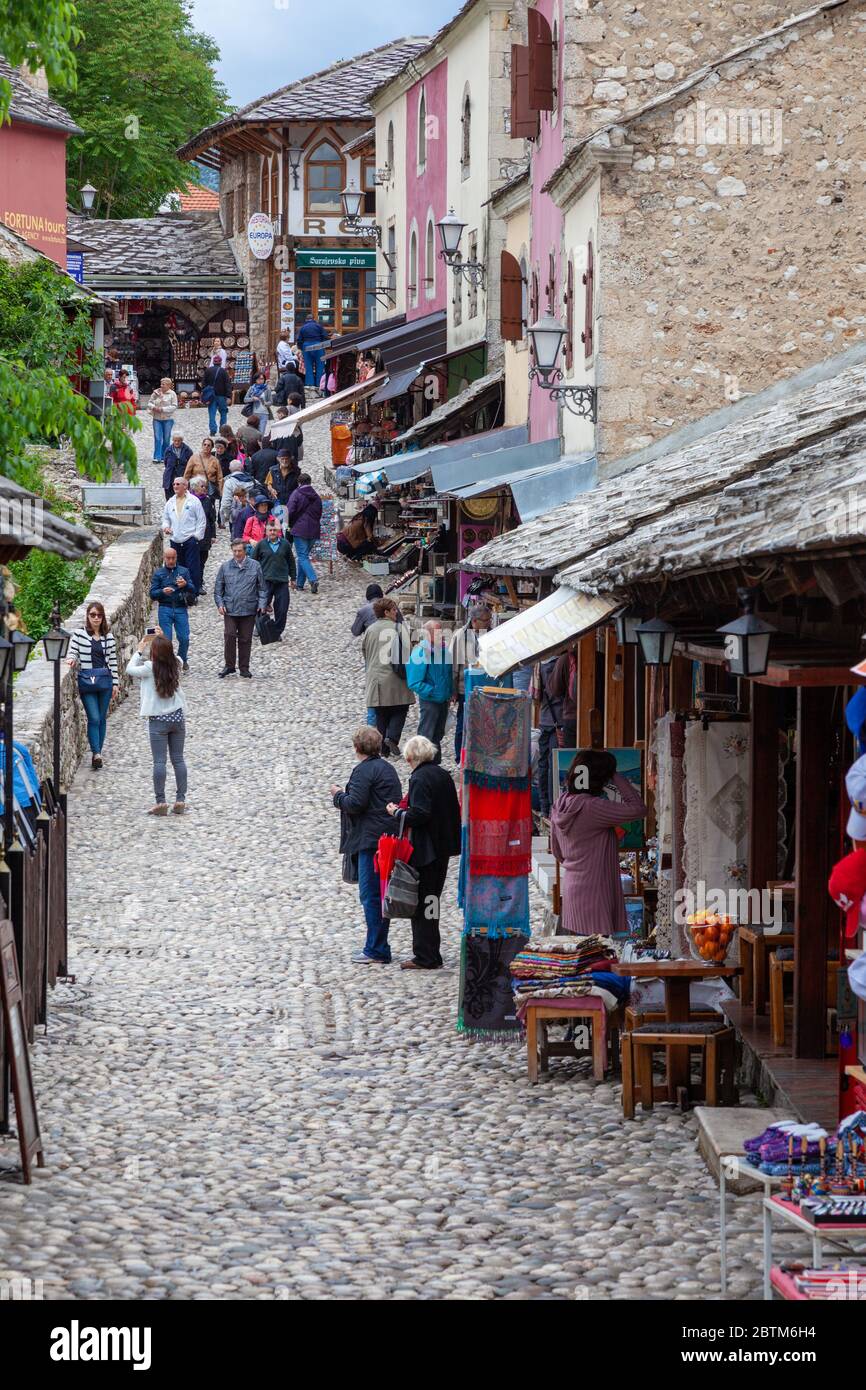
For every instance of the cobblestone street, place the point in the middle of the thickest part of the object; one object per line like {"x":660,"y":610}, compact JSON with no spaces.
{"x":232,"y":1110}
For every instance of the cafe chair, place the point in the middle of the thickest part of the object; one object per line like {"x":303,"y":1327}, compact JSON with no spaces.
{"x":713,"y":1040}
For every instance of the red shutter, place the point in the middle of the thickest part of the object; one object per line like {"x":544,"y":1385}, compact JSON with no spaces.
{"x":589,"y":281}
{"x":511,"y":298}
{"x":524,"y":121}
{"x":569,"y":315}
{"x":540,"y":63}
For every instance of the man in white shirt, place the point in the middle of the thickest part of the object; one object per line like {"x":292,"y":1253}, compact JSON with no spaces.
{"x":284,"y":354}
{"x":184,"y":523}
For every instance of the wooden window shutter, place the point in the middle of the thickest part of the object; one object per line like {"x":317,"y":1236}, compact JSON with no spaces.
{"x":541,"y":93}
{"x":569,"y":315}
{"x":589,"y":282}
{"x":511,"y":301}
{"x":524,"y":121}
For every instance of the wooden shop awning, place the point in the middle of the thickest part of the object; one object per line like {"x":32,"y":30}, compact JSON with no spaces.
{"x":541,"y":630}
{"x":282,"y":429}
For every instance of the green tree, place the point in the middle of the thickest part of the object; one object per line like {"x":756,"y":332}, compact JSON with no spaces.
{"x":42,"y":32}
{"x":146,"y":83}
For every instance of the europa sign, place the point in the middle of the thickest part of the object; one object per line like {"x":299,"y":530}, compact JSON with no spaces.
{"x":260,"y":235}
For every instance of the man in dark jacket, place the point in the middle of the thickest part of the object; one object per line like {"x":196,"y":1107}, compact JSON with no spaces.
{"x":305,"y":523}
{"x":249,"y":437}
{"x":289,"y":384}
{"x":362,"y":806}
{"x":175,"y":460}
{"x":171,"y":585}
{"x":433,"y":816}
{"x":262,"y":462}
{"x":284,"y":478}
{"x":562,"y":686}
{"x":216,"y":380}
{"x":277,"y":558}
{"x":239,"y":594}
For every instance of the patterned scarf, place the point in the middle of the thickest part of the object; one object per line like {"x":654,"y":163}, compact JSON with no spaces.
{"x":486,"y":1007}
{"x":500,"y":831}
{"x":498,"y":738}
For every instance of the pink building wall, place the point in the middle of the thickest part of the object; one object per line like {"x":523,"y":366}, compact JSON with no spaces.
{"x":33,"y":186}
{"x":428,"y":189}
{"x":546,"y":228}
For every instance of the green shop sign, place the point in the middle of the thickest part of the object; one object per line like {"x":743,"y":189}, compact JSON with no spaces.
{"x":335,"y":260}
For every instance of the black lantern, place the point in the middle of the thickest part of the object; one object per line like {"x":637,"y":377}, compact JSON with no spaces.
{"x":22,"y":646}
{"x":656,"y":638}
{"x":352,"y":198}
{"x":626,"y":627}
{"x":747,"y":639}
{"x":56,"y":644}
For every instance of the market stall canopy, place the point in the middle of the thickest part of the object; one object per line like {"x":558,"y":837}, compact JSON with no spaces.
{"x":541,"y":629}
{"x":728,"y":446}
{"x":450,"y":476}
{"x":282,"y":429}
{"x":473,"y":398}
{"x":405,"y":468}
{"x":177,"y":255}
{"x":535,"y":489}
{"x":364,"y":338}
{"x":397,"y":384}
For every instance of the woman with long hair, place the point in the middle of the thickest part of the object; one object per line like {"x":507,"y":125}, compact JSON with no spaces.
{"x":94,"y":652}
{"x":163,"y":704}
{"x":583,"y":838}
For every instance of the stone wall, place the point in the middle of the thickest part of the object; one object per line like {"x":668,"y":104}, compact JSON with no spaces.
{"x":731,"y":250}
{"x":123,"y":587}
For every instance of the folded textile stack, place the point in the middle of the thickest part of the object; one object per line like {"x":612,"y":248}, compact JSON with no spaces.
{"x":788,"y":1144}
{"x":558,"y":967}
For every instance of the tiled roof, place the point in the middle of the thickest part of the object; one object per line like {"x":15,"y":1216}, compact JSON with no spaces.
{"x":429,"y":45}
{"x":14,"y":249}
{"x":340,"y":92}
{"x":197,"y":199}
{"x":35,"y":107}
{"x":175,"y":244}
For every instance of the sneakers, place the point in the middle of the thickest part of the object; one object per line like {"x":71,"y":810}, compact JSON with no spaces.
{"x":359,"y":958}
{"x":314,"y":588}
{"x":96,"y":761}
{"x":226,"y":671}
{"x":186,"y":665}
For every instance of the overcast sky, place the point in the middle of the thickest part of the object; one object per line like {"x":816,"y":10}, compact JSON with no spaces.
{"x":267,"y":43}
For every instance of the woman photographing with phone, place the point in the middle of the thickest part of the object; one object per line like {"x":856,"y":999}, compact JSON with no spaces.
{"x":163,"y":704}
{"x":94,"y":652}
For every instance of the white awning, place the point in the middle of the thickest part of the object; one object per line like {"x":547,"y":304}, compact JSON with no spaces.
{"x":281,"y":429}
{"x":541,"y":629}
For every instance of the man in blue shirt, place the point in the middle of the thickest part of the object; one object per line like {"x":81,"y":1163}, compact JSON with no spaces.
{"x":172,"y":586}
{"x":429,"y":674}
{"x":310,"y":340}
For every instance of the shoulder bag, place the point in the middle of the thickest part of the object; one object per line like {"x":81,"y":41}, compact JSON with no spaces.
{"x":400,"y":898}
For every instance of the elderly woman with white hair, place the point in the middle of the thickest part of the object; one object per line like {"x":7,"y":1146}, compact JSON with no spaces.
{"x":433,"y":817}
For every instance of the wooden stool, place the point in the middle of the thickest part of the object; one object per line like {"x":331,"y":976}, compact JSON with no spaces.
{"x":756,"y":948}
{"x":778,"y":970}
{"x":715,"y":1042}
{"x":635,"y":1017}
{"x":541,"y":1013}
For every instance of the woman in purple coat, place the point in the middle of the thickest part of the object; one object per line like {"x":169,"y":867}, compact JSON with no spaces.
{"x":304,"y":519}
{"x":584,"y":840}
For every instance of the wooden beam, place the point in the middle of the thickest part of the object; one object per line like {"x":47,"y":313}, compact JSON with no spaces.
{"x":681,"y":683}
{"x":585,"y":687}
{"x":763,"y":788}
{"x":812,"y":903}
{"x":614,"y":693}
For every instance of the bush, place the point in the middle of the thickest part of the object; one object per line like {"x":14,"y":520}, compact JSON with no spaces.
{"x":43,"y":579}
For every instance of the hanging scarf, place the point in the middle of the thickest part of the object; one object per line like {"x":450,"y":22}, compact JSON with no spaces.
{"x":500,"y":831}
{"x":497,"y":741}
{"x":498,"y":906}
{"x":486,"y":1007}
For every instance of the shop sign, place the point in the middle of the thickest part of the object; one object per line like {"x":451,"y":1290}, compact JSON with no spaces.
{"x":260,"y":235}
{"x":335,"y":260}
{"x":287,"y":301}
{"x":75,"y":266}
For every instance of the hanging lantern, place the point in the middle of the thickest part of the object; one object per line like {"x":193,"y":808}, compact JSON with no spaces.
{"x":547,"y":335}
{"x":351,"y":197}
{"x":626,"y":627}
{"x":22,"y":645}
{"x":450,"y":231}
{"x":747,"y":642}
{"x":656,"y":638}
{"x":56,"y":644}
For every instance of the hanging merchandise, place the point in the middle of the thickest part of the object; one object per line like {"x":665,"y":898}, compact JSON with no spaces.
{"x":716,"y":830}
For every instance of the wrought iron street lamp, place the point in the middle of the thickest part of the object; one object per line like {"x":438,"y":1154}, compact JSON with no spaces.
{"x":747,"y":639}
{"x":657,"y":640}
{"x":88,"y":197}
{"x":56,"y":645}
{"x":450,"y":230}
{"x":547,"y":336}
{"x":352,"y":198}
{"x":22,"y":646}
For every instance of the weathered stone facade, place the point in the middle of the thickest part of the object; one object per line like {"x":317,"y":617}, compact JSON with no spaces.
{"x":725,"y":265}
{"x":243,"y":174}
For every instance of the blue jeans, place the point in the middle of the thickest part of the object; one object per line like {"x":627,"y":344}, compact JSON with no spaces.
{"x":371,"y":717}
{"x":189,"y":556}
{"x":161,"y":438}
{"x":219,"y":403}
{"x":175,"y":620}
{"x":314,"y":361}
{"x":370,"y":892}
{"x":96,"y":704}
{"x":302,"y":556}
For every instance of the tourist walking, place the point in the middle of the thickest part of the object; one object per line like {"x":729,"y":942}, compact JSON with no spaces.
{"x":365,"y":617}
{"x":208,"y":506}
{"x":464,"y":652}
{"x":205,"y":464}
{"x":183,"y":520}
{"x":433,"y":820}
{"x":387,"y":644}
{"x":249,"y":436}
{"x":239,"y":593}
{"x":163,"y":704}
{"x":262,"y":462}
{"x":236,"y":482}
{"x":216,"y":388}
{"x":121,"y":392}
{"x":162,"y":405}
{"x":363,"y":819}
{"x":284,"y":354}
{"x":562,"y":686}
{"x":255,"y":525}
{"x":288,"y":385}
{"x":429,"y":674}
{"x":276,"y":556}
{"x":304,"y":517}
{"x":259,"y":397}
{"x":310,"y":340}
{"x":93,"y":652}
{"x":583,"y":839}
{"x":175,"y":461}
{"x":281,"y":482}
{"x":172,"y":588}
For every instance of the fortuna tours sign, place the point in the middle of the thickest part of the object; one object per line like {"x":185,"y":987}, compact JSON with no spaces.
{"x":260,"y":235}
{"x":326,"y":259}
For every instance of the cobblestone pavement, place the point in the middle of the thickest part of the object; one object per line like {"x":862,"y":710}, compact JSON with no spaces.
{"x":232,"y":1110}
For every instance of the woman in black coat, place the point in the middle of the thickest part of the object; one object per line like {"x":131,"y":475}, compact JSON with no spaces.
{"x":433,"y":816}
{"x":364,"y":817}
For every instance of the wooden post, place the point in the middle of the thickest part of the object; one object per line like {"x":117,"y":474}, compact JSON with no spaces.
{"x":815,"y":739}
{"x":681,"y":683}
{"x":630,"y":730}
{"x":585,"y":688}
{"x":614,"y":692}
{"x":763,"y":787}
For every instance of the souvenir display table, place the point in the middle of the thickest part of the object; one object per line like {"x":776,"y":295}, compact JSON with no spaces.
{"x":800,"y":1285}
{"x":780,"y":1209}
{"x":728,"y":1167}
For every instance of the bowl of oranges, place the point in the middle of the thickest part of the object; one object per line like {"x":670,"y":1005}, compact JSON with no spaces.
{"x":711,"y":935}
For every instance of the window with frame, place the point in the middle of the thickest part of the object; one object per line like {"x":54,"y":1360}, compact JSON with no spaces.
{"x":324,"y":181}
{"x":390,"y":150}
{"x":229,"y":214}
{"x":430,"y":260}
{"x":368,"y":185}
{"x":422,"y":130}
{"x":473,"y":287}
{"x":466,"y":135}
{"x":412,"y":287}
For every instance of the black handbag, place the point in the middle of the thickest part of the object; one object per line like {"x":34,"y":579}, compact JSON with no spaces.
{"x":400,"y":898}
{"x":266,"y":628}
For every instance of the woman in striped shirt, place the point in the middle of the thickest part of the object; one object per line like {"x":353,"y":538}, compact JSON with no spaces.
{"x":94,"y":652}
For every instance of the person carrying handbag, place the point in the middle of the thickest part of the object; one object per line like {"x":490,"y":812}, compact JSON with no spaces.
{"x":363,"y":820}
{"x":93,"y":652}
{"x":433,"y":818}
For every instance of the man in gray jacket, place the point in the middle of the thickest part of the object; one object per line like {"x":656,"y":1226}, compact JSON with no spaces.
{"x":239,"y":593}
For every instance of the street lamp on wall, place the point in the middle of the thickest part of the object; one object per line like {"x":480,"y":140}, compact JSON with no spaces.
{"x":547,"y":336}
{"x":450,"y":231}
{"x":627,"y":622}
{"x":295,"y":157}
{"x":352,"y":198}
{"x":88,"y":197}
{"x":56,"y":645}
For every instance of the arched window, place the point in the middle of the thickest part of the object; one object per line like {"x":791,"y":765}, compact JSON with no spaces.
{"x":430,"y":259}
{"x":422,"y":130}
{"x":412,"y":287}
{"x":326,"y":174}
{"x":466,"y":136}
{"x":390,"y":154}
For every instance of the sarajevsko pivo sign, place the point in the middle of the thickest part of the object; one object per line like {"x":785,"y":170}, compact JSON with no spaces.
{"x":260,"y":235}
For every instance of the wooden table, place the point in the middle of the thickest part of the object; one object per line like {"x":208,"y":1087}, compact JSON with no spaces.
{"x":677,"y":976}
{"x":755,"y":947}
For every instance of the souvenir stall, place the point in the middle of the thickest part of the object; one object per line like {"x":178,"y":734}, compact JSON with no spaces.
{"x":160,"y":340}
